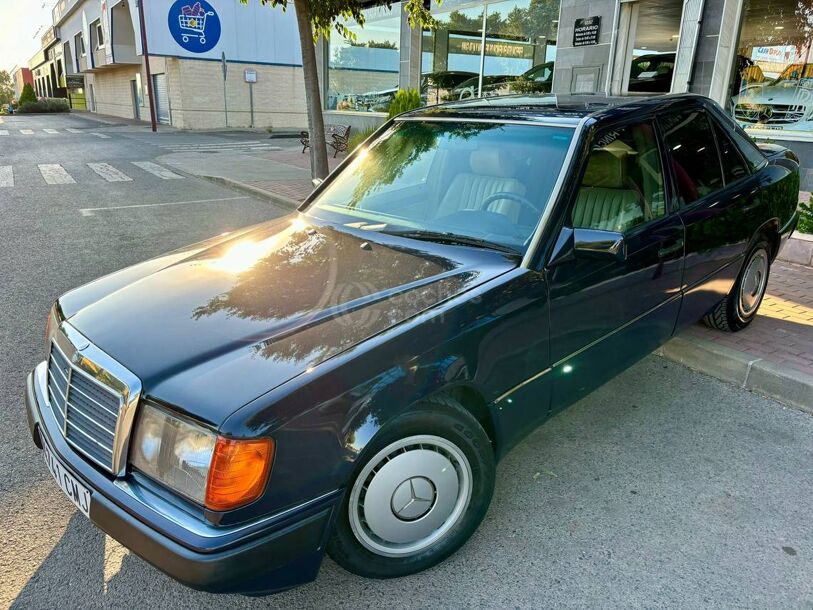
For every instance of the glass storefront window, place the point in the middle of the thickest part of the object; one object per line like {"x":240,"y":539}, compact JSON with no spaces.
{"x":772,"y":88}
{"x":362,"y":74}
{"x":653,"y":56}
{"x":489,"y":48}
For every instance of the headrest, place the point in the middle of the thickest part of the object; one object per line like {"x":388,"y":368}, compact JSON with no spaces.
{"x":605,"y":170}
{"x":492,"y":162}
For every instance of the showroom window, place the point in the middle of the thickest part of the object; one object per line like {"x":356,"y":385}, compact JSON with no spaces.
{"x":362,"y":73}
{"x":652,"y":63}
{"x":491,"y":48}
{"x":772,"y":85}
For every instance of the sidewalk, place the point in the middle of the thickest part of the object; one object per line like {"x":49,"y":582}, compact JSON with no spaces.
{"x":773,"y":356}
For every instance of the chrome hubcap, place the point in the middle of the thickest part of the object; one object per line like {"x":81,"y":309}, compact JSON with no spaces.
{"x":410,"y":495}
{"x":753,"y":284}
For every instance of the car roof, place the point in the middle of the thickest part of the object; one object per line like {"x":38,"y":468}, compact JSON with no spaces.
{"x":560,"y":109}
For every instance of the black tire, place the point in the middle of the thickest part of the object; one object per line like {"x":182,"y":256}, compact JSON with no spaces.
{"x":728,"y":315}
{"x":441,"y":417}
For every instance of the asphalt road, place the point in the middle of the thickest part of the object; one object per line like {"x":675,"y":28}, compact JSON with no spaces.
{"x":664,"y":488}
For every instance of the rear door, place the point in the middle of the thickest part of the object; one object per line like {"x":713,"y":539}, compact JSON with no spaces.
{"x":608,"y":313}
{"x":719,"y":202}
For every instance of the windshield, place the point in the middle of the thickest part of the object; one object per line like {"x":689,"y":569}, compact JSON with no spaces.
{"x":482,"y":181}
{"x":800,"y":74}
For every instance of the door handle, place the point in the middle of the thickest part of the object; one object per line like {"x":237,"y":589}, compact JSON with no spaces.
{"x":669,"y":250}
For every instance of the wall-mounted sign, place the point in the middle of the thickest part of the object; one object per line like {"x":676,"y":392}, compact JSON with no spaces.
{"x":251,"y":76}
{"x":494,"y":48}
{"x":75,"y":81}
{"x":587,"y":31}
{"x":194,"y":25}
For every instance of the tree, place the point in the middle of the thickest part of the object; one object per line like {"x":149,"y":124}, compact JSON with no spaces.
{"x":27,"y":95}
{"x":317,"y":18}
{"x":6,"y":88}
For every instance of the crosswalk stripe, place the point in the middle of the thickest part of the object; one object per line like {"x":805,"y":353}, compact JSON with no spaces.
{"x":6,"y":176}
{"x":3,"y":132}
{"x":74,"y":130}
{"x":109,"y":173}
{"x":55,"y":174}
{"x":50,"y":131}
{"x":100,"y":135}
{"x":157,"y":170}
{"x":27,"y":132}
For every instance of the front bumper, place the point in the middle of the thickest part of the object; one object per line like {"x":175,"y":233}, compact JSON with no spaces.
{"x":277,"y":553}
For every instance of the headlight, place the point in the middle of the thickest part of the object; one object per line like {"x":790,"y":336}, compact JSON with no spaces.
{"x":211,"y":470}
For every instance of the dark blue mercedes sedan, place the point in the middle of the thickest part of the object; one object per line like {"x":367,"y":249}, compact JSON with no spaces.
{"x":344,"y":379}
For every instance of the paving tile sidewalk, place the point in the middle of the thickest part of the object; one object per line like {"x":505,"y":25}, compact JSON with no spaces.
{"x":782,"y":332}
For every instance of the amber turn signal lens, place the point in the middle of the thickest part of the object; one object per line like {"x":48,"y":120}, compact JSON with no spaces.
{"x":238,"y":472}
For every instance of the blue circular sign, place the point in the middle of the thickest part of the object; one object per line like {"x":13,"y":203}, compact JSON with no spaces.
{"x":195,"y":25}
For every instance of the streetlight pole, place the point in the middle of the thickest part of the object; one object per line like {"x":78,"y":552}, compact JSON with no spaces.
{"x":146,"y":53}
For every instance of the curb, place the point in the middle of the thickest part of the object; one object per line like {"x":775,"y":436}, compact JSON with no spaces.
{"x":788,"y":386}
{"x":279,"y":200}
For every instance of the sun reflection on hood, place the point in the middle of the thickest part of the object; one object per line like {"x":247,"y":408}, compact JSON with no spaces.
{"x":244,"y":255}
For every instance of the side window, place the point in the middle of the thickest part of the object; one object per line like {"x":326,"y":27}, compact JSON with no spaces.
{"x":749,"y":150}
{"x":733,"y":166}
{"x":622,"y":186}
{"x":694,"y":155}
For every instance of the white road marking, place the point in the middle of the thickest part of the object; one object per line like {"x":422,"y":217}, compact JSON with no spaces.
{"x":6,"y":176}
{"x":92,"y":211}
{"x":50,"y":131}
{"x":109,"y":173}
{"x":157,"y":170}
{"x":3,"y":132}
{"x":100,"y":135}
{"x":27,"y":132}
{"x":55,"y":174}
{"x":74,"y":130}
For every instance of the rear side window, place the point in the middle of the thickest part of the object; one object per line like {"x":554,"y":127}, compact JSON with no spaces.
{"x":753,"y":156}
{"x":694,"y":159}
{"x":733,"y":165}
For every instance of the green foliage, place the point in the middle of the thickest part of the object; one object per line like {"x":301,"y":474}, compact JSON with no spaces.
{"x":45,"y":105}
{"x":328,"y":15}
{"x":28,"y":96}
{"x":6,"y":88}
{"x":806,"y":218}
{"x":404,"y":101}
{"x":358,"y":137}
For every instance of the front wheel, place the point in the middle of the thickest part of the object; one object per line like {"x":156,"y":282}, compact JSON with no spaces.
{"x":419,"y":492}
{"x":739,"y":308}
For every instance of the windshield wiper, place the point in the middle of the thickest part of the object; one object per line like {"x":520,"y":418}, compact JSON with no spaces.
{"x":454,"y":238}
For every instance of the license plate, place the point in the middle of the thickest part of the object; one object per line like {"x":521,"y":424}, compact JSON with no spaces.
{"x":78,"y":493}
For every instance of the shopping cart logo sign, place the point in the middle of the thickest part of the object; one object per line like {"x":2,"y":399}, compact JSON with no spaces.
{"x":195,"y":25}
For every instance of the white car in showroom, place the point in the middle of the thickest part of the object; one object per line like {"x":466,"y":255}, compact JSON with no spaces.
{"x":784,"y":103}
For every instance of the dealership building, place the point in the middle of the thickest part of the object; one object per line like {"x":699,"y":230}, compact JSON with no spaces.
{"x":751,"y":56}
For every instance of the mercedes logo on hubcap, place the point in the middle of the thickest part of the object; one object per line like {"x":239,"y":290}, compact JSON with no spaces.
{"x":413,"y":498}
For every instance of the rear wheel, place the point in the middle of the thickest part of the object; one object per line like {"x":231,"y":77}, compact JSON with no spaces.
{"x":740,"y":307}
{"x":419,"y":493}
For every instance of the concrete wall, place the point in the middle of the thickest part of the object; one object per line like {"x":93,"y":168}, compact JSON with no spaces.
{"x":112,"y":93}
{"x":570,"y":59}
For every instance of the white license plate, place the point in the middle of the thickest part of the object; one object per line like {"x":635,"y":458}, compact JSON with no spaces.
{"x":78,"y":493}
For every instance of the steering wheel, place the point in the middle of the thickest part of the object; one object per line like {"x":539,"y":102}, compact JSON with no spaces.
{"x":511,"y":197}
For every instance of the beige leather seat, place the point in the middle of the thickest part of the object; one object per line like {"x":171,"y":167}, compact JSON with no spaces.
{"x":605,"y":200}
{"x":491,"y":171}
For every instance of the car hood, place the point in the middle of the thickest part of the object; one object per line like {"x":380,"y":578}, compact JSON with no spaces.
{"x":787,"y":93}
{"x":212,"y":327}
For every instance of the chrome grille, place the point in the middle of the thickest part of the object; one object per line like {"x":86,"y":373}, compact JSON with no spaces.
{"x":780,"y":114}
{"x":86,"y":410}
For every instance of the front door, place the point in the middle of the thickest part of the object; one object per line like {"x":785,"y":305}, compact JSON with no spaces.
{"x":608,"y":311}
{"x":136,"y":105}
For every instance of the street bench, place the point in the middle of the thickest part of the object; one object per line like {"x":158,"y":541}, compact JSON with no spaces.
{"x":336,"y":136}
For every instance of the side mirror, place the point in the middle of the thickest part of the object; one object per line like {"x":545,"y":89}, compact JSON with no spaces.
{"x":316,"y":182}
{"x":593,"y":243}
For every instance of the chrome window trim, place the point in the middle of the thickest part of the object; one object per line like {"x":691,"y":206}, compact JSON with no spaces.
{"x":536,"y":239}
{"x":566,"y":123}
{"x":94,"y":365}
